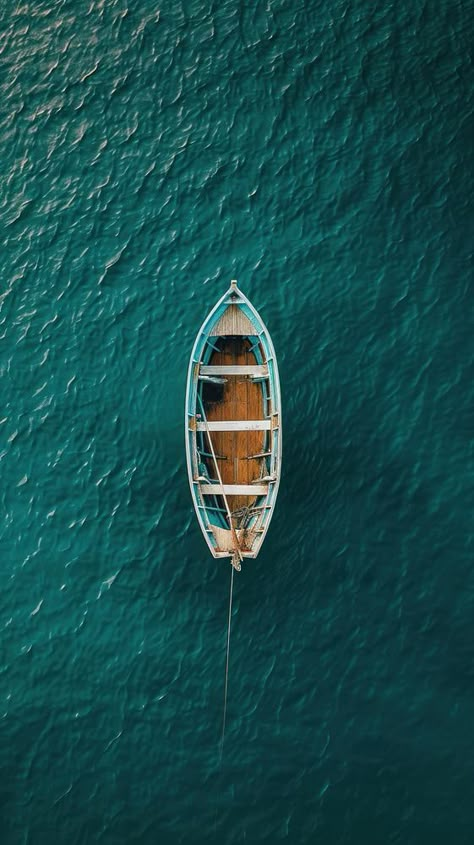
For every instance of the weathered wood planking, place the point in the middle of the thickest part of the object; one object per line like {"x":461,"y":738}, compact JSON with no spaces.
{"x":233,"y":322}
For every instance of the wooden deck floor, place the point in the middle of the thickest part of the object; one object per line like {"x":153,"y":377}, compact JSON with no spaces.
{"x":242,"y":400}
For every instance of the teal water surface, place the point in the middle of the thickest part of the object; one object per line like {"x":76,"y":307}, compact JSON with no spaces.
{"x":320,"y":153}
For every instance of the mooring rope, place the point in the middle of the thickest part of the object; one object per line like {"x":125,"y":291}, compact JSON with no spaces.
{"x":227,"y":663}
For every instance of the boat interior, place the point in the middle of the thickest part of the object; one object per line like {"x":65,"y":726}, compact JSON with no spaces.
{"x":233,"y":386}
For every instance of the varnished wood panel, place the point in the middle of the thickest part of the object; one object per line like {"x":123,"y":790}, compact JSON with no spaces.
{"x":242,"y":400}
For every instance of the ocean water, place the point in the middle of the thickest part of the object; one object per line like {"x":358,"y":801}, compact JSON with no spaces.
{"x":321,"y":153}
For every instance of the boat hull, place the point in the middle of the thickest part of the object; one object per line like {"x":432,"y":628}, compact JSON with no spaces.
{"x":233,"y":428}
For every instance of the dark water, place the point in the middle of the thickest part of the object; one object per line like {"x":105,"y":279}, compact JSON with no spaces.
{"x":321,"y":153}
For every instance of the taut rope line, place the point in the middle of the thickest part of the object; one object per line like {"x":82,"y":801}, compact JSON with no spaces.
{"x":227,"y":665}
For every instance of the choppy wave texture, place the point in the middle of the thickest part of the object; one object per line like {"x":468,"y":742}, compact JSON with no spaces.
{"x":320,"y":153}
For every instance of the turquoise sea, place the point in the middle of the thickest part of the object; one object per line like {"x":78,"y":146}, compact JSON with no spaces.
{"x":320,"y":152}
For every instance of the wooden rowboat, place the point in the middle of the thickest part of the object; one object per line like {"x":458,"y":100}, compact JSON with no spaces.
{"x":233,"y":428}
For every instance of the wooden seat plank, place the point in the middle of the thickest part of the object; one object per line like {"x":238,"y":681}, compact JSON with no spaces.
{"x":233,"y":370}
{"x":235,"y":425}
{"x":234,"y":489}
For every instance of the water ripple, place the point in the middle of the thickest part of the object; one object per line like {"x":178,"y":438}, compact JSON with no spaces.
{"x":320,"y":155}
